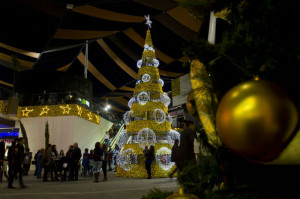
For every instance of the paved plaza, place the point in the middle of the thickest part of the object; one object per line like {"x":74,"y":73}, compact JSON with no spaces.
{"x":85,"y":188}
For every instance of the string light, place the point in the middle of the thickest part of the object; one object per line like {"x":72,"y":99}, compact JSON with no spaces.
{"x":146,"y":137}
{"x":159,"y":115}
{"x":166,"y":99}
{"x":57,"y":110}
{"x":163,"y":158}
{"x":160,"y":81}
{"x":143,"y":98}
{"x":127,"y":117}
{"x":26,"y":112}
{"x":90,"y":116}
{"x":139,"y":63}
{"x":130,"y":102}
{"x":146,"y":78}
{"x":123,"y":139}
{"x":79,"y":110}
{"x":155,"y":62}
{"x":66,"y":109}
{"x":126,"y":159}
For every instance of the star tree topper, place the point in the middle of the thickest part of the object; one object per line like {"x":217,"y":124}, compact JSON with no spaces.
{"x":148,"y":22}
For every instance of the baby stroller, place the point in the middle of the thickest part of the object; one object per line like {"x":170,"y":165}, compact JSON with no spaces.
{"x":63,"y":168}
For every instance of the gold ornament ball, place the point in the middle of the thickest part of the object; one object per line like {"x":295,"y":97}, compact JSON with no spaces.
{"x":182,"y":195}
{"x":255,"y":119}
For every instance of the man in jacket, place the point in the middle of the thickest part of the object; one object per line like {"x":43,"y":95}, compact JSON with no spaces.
{"x":74,"y":162}
{"x":186,"y":148}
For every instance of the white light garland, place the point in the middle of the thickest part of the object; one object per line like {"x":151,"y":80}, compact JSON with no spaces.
{"x":174,"y":135}
{"x":160,"y":81}
{"x":166,"y":99}
{"x":155,"y":62}
{"x":146,"y":78}
{"x":143,"y":98}
{"x":163,"y":158}
{"x":147,"y":47}
{"x":169,"y":118}
{"x":146,"y":137}
{"x":130,"y":102}
{"x":126,"y":159}
{"x":122,"y":140}
{"x":159,"y":116}
{"x":139,"y":63}
{"x":127,"y":117}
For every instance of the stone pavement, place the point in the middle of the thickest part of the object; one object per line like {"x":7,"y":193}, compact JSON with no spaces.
{"x":85,"y":188}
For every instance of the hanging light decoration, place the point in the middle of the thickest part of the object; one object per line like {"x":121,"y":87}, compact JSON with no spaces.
{"x":139,"y":63}
{"x":146,"y":137}
{"x":160,"y":81}
{"x":127,"y":159}
{"x":143,"y":98}
{"x":174,"y":135}
{"x":127,"y":117}
{"x":130,"y":102}
{"x":123,"y":139}
{"x":166,"y":99}
{"x":146,"y":78}
{"x":159,"y":116}
{"x":163,"y":158}
{"x":155,"y":62}
{"x":169,"y":118}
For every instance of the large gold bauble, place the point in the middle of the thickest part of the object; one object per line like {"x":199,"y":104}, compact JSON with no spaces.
{"x":255,"y":119}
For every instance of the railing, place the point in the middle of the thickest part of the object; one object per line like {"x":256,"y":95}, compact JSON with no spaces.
{"x":59,"y":98}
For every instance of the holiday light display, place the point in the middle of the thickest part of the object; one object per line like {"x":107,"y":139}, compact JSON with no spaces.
{"x":148,"y":122}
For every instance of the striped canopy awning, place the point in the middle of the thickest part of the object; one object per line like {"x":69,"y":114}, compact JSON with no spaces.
{"x":51,"y":35}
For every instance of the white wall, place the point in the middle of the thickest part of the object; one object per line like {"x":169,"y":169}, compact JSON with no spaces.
{"x":63,"y":131}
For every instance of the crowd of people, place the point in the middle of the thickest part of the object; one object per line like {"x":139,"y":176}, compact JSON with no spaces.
{"x":65,"y":167}
{"x":54,"y":165}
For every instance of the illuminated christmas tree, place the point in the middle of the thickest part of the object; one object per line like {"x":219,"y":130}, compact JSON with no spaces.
{"x":148,"y":122}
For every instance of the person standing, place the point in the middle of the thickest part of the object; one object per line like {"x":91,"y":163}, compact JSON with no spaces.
{"x":11,"y":164}
{"x":47,"y":162}
{"x":104,"y":162}
{"x":74,"y":162}
{"x":18,"y":157}
{"x":149,"y":154}
{"x":98,"y":154}
{"x":39,"y":163}
{"x":174,"y":157}
{"x":2,"y":154}
{"x":186,"y":148}
{"x":85,"y":162}
{"x":27,"y":162}
{"x":54,"y":162}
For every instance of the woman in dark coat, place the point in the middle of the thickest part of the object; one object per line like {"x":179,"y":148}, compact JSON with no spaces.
{"x":104,"y":162}
{"x":149,"y":154}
